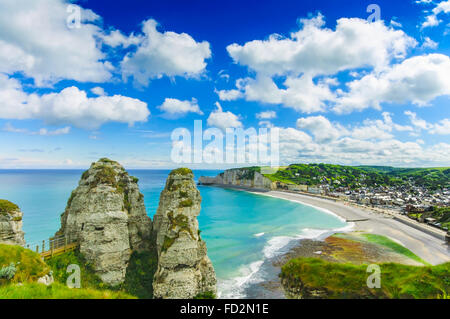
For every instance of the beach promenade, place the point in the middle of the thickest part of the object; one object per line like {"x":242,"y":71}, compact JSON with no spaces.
{"x":428,"y":247}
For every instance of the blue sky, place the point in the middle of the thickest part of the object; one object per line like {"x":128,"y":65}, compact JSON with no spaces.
{"x":339,"y":88}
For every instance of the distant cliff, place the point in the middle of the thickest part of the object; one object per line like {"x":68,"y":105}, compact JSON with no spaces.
{"x":243,"y":177}
{"x":10,"y":224}
{"x":184,"y":269}
{"x":107,"y":216}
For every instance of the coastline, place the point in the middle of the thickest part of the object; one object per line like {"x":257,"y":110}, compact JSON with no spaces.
{"x":428,"y":247}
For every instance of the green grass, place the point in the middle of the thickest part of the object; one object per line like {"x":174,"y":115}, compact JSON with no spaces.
{"x":386,"y":242}
{"x":205,"y":295}
{"x":59,"y":265}
{"x":140,"y":272}
{"x":7,"y":207}
{"x":181,"y":171}
{"x":343,"y":281}
{"x":57,"y":291}
{"x":29,"y":265}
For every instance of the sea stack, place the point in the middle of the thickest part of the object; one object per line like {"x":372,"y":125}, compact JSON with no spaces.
{"x":106,"y":215}
{"x":184,"y":269}
{"x":10,"y":224}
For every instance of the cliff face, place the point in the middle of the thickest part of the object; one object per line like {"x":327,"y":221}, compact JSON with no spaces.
{"x":239,"y":177}
{"x":184,"y":269}
{"x":10,"y":224}
{"x":106,"y":215}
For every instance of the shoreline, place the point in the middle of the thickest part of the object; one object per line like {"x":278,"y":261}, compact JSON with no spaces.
{"x":426,"y":246}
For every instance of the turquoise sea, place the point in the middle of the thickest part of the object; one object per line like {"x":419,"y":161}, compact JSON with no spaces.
{"x":241,"y":229}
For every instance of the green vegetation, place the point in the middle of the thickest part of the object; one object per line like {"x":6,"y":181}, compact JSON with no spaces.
{"x":7,"y":207}
{"x":186,"y":203}
{"x":107,"y":160}
{"x":57,"y":291}
{"x":206,"y":295}
{"x":249,"y":172}
{"x":140,"y":272}
{"x":59,"y":266}
{"x":181,"y":171}
{"x":357,"y":176}
{"x":106,"y":175}
{"x":28,"y":264}
{"x":384,"y":241}
{"x":168,"y":242}
{"x":441,"y":214}
{"x":342,"y":281}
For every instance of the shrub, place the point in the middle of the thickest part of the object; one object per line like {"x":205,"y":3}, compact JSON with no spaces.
{"x":8,"y":272}
{"x":140,"y":272}
{"x":181,"y":171}
{"x":28,"y":264}
{"x":186,"y":203}
{"x":57,"y":291}
{"x":7,"y":207}
{"x":205,"y":295}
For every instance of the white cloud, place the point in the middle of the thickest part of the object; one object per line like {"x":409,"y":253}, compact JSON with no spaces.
{"x":441,"y":128}
{"x":418,"y":80}
{"x":70,"y":106}
{"x":311,"y":52}
{"x":320,"y":127}
{"x":429,"y":44}
{"x":174,"y":109}
{"x":316,"y":50}
{"x":432,"y":20}
{"x":301,"y":93}
{"x":223,"y":120}
{"x":267,"y":115}
{"x":165,"y":54}
{"x":35,"y":40}
{"x":98,"y":91}
{"x":115,"y":38}
{"x":43,"y":131}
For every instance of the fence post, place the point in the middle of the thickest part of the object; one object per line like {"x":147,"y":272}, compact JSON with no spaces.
{"x":65,"y":244}
{"x":43,"y":245}
{"x":37,"y":249}
{"x":51,"y":247}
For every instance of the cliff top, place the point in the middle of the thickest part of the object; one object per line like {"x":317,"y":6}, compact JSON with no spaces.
{"x":6,"y":207}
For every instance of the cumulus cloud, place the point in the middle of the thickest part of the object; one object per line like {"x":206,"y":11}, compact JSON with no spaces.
{"x":70,"y":106}
{"x":440,"y":128}
{"x":307,"y":58}
{"x":418,"y":80}
{"x":301,"y":93}
{"x":266,"y":115}
{"x":35,"y":40}
{"x":164,"y":54}
{"x":98,"y":91}
{"x":316,"y":50}
{"x":223,"y":120}
{"x":174,"y":109}
{"x":320,"y":127}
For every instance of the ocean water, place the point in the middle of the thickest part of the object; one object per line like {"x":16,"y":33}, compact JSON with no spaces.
{"x":241,"y":230}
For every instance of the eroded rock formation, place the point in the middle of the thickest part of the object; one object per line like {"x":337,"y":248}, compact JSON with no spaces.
{"x":243,"y":177}
{"x":184,"y":269}
{"x":107,"y":216}
{"x":10,"y":224}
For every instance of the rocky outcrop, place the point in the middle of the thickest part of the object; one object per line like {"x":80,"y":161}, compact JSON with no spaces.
{"x":10,"y":224}
{"x":106,"y":215}
{"x":241,"y":177}
{"x":184,"y":269}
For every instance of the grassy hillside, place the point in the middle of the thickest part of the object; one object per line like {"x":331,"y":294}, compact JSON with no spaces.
{"x":357,"y":176}
{"x":316,"y":277}
{"x":57,"y":291}
{"x":29,"y":267}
